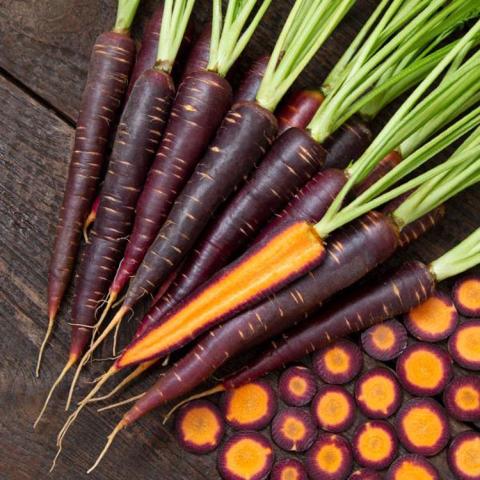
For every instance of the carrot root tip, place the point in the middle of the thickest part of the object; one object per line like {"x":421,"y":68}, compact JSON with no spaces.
{"x":48,"y":333}
{"x":123,"y":402}
{"x":110,"y":439}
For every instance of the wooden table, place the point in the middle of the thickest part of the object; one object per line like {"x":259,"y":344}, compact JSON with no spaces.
{"x":44,"y":53}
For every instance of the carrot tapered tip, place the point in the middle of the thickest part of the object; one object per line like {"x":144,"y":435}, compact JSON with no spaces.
{"x":120,"y":426}
{"x":123,"y":402}
{"x":66,"y":368}
{"x":48,"y":333}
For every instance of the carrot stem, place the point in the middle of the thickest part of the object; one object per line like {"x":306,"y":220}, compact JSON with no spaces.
{"x":125,"y":14}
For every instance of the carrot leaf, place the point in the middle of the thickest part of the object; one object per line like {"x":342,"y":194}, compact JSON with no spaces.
{"x":229,"y":35}
{"x":307,"y":27}
{"x":460,"y":258}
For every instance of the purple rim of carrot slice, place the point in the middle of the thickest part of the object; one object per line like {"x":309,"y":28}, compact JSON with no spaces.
{"x":339,"y":362}
{"x":199,"y":426}
{"x":378,"y":393}
{"x":424,"y":369}
{"x":249,"y":407}
{"x":297,"y":386}
{"x":333,"y":408}
{"x":288,"y":469}
{"x":462,"y":398}
{"x":464,"y":454}
{"x":464,"y":345}
{"x":293,"y":429}
{"x":422,"y":426}
{"x":385,"y":341}
{"x":374,"y":444}
{"x":330,"y":458}
{"x":466,"y":295}
{"x":245,"y":456}
{"x":433,"y":320}
{"x":410,"y":467}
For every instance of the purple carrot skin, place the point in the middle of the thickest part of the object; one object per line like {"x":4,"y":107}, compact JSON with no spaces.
{"x":197,"y":59}
{"x":293,"y":159}
{"x":243,"y":137}
{"x":298,"y":109}
{"x":253,"y":327}
{"x":91,"y":218}
{"x":248,"y":88}
{"x":357,"y":311}
{"x":138,"y":135}
{"x":200,"y":104}
{"x":110,"y":64}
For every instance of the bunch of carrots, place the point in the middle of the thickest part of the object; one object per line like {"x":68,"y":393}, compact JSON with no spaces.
{"x":236,"y":215}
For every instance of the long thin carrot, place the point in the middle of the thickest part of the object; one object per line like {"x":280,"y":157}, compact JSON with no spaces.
{"x":138,"y":134}
{"x":111,"y":61}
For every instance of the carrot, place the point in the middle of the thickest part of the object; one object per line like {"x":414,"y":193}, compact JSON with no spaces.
{"x":245,"y":134}
{"x":91,"y":218}
{"x":138,"y":135}
{"x":292,"y":160}
{"x":111,"y":61}
{"x":197,"y":59}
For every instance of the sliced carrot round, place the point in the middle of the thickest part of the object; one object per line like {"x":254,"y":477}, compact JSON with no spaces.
{"x":433,"y":320}
{"x":293,"y":429}
{"x":333,"y":408}
{"x":464,"y":345}
{"x":464,"y":456}
{"x":422,"y":426}
{"x":289,"y":469}
{"x":250,"y":407}
{"x":466,"y":295}
{"x":424,"y":369}
{"x":245,"y":456}
{"x":199,"y":426}
{"x":375,"y":444}
{"x":462,"y":398}
{"x":297,"y":386}
{"x":378,"y":393}
{"x":385,"y":341}
{"x":330,"y":458}
{"x":339,"y":362}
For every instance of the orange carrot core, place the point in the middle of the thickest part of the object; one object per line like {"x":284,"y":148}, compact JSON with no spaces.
{"x":469,"y":293}
{"x":248,"y":404}
{"x":424,"y":368}
{"x":422,"y":426}
{"x":332,"y":409}
{"x":329,"y":458}
{"x":374,"y":443}
{"x":434,"y":315}
{"x":246,"y":457}
{"x":467,"y":457}
{"x":200,"y":426}
{"x":468,"y":343}
{"x":286,"y":254}
{"x":378,"y":392}
{"x":411,"y":471}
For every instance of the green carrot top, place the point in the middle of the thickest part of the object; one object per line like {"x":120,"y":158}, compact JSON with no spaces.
{"x":308,"y":25}
{"x":125,"y":14}
{"x":229,"y":35}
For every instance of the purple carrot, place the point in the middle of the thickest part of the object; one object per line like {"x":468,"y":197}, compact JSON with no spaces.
{"x":197,"y":59}
{"x":110,"y":65}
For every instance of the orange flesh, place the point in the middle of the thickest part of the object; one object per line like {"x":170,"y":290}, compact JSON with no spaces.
{"x":374,"y":443}
{"x":383,"y":337}
{"x":424,"y":368}
{"x":246,"y":458}
{"x":329,"y":458}
{"x":411,"y":471}
{"x":293,"y":429}
{"x":297,"y":385}
{"x":289,"y":473}
{"x":285,"y":254}
{"x":333,"y":408}
{"x":468,"y":343}
{"x":378,"y":392}
{"x":247,"y":404}
{"x":467,"y":398}
{"x":469,"y":293}
{"x":433,"y":315}
{"x":337,"y":360}
{"x":422,"y":426}
{"x":200,"y":426}
{"x":467,"y":457}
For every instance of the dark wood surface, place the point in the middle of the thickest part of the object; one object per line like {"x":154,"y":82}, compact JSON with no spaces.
{"x":44,"y":50}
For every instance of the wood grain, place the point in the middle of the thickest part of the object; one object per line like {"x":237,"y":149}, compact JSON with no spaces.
{"x":45,"y":46}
